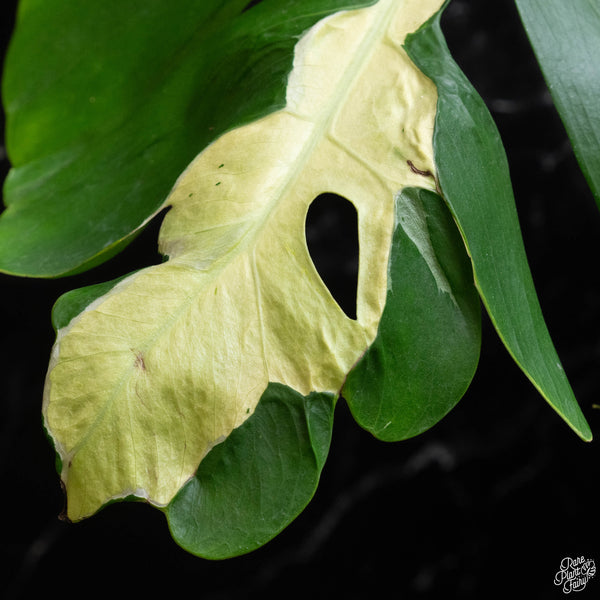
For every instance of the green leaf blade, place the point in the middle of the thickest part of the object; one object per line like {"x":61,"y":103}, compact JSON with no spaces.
{"x":475,"y":182}
{"x":252,"y":485}
{"x":565,"y":37}
{"x":427,"y":345}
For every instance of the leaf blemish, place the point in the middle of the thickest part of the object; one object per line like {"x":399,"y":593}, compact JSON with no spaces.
{"x":418,"y":171}
{"x":139,"y":360}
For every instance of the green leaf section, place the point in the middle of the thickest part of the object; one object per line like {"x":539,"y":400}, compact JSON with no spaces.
{"x":427,"y":344}
{"x":258,"y":480}
{"x":474,"y":179}
{"x":99,"y":128}
{"x":566,"y":39}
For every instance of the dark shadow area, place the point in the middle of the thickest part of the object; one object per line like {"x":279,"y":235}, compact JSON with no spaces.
{"x":251,"y":4}
{"x":332,"y":240}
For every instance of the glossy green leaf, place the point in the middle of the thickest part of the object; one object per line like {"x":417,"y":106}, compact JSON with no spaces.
{"x":166,"y":364}
{"x":107,"y":102}
{"x":474,"y":179}
{"x":258,"y":480}
{"x":566,"y":39}
{"x":427,"y":345}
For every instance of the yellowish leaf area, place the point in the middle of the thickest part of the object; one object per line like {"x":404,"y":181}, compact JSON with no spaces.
{"x":152,"y":375}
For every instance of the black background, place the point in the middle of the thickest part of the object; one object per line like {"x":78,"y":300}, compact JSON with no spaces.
{"x":484,"y":505}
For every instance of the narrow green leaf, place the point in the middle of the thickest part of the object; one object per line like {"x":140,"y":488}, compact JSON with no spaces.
{"x":566,"y":39}
{"x":252,"y":485}
{"x":475,"y":181}
{"x":99,"y":128}
{"x":427,"y":344}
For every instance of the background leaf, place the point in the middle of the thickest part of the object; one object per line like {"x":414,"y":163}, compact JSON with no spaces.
{"x":566,"y":39}
{"x":100,"y":127}
{"x":258,"y":480}
{"x":475,"y":181}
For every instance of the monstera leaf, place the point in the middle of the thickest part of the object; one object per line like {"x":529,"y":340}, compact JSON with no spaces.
{"x":206,"y":385}
{"x":161,"y":368}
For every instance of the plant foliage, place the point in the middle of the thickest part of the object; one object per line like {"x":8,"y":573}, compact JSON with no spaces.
{"x":207,"y":385}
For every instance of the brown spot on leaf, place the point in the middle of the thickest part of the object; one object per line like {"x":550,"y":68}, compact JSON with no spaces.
{"x":418,"y":171}
{"x":139,"y":360}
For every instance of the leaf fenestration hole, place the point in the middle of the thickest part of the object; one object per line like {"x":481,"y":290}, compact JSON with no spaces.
{"x":331,"y":231}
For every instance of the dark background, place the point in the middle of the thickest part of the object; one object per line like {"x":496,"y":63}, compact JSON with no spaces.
{"x":484,"y":505}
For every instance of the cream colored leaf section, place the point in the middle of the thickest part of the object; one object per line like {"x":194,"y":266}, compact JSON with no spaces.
{"x":151,"y":376}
